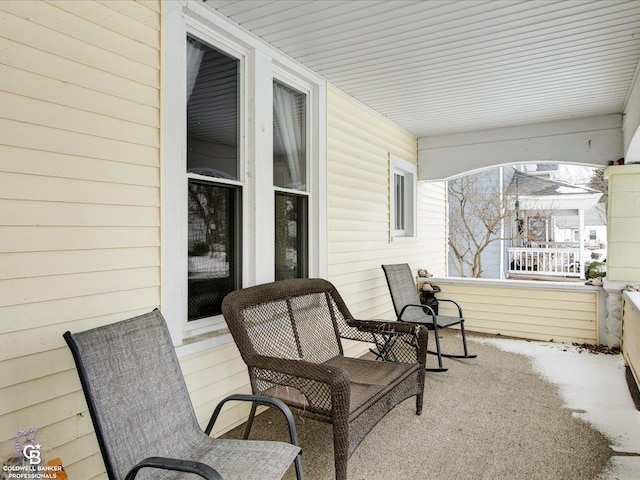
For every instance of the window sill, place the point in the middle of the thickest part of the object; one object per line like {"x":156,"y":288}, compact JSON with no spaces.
{"x":204,"y":341}
{"x":404,"y":239}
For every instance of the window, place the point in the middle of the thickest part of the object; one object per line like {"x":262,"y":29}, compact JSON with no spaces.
{"x":399,"y":195}
{"x":289,"y":138}
{"x":402,"y":181}
{"x":243,"y":172}
{"x":290,"y":181}
{"x":291,"y":236}
{"x":213,"y":166}
{"x":214,"y":243}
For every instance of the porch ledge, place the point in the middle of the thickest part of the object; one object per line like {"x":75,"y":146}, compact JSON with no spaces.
{"x":532,"y":284}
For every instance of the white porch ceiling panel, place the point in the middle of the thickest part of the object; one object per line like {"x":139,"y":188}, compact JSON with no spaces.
{"x":438,"y":67}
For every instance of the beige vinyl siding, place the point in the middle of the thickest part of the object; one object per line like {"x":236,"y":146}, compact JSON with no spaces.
{"x":359,"y":142}
{"x":631,"y":332}
{"x":211,"y":376}
{"x":623,"y":259}
{"x":553,"y":313}
{"x":79,"y":201}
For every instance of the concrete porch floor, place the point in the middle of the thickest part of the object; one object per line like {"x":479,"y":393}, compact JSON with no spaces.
{"x":521,"y":410}
{"x":598,"y":388}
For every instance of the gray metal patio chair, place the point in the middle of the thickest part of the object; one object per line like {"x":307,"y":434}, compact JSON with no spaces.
{"x":289,"y":335}
{"x":143,"y":416}
{"x":406,"y":303}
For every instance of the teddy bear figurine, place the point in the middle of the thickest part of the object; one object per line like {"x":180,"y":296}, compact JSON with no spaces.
{"x":423,"y":272}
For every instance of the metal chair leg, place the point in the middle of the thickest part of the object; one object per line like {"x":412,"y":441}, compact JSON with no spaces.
{"x":438,"y":351}
{"x":464,"y":342}
{"x":252,"y":414}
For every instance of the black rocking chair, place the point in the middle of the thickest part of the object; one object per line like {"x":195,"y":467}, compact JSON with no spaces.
{"x":408,"y":308}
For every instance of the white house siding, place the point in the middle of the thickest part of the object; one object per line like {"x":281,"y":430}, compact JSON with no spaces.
{"x":562,"y":313}
{"x":79,"y":201}
{"x":359,"y":142}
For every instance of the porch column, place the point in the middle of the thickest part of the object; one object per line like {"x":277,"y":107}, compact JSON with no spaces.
{"x":623,"y":242}
{"x":611,"y":334}
{"x":581,"y":243}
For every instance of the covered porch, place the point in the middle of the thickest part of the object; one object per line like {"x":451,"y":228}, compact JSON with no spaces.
{"x":93,"y":176}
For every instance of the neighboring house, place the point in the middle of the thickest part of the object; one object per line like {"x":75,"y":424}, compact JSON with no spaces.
{"x":119,"y":195}
{"x":549,"y":214}
{"x":543,"y":205}
{"x":567,"y":228}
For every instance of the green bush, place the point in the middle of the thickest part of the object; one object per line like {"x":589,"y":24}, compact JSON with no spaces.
{"x":597,"y":270}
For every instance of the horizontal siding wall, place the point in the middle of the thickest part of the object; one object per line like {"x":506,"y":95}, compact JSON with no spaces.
{"x":623,"y":259}
{"x":553,"y":313}
{"x":631,"y":332}
{"x":79,"y":201}
{"x":359,"y":142}
{"x":212,"y":375}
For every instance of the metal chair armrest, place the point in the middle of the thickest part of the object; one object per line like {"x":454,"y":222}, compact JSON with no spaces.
{"x":259,"y":400}
{"x":164,"y":463}
{"x":454,"y":302}
{"x":416,"y":305}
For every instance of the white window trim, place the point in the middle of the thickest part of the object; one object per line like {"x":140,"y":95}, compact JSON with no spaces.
{"x":259,"y":64}
{"x":410,"y":172}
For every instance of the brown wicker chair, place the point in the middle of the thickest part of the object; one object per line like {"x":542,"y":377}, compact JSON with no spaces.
{"x":288,"y":334}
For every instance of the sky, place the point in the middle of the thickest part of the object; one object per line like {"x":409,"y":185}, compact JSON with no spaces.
{"x":595,"y":386}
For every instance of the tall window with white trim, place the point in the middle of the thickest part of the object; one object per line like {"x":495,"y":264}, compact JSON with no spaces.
{"x":213,"y":178}
{"x":290,"y":181}
{"x":243,"y":174}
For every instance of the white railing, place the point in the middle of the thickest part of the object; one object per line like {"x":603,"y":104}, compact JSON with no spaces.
{"x":563,"y":262}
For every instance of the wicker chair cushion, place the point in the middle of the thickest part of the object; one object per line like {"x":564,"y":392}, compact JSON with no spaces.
{"x":370,"y":380}
{"x":368,"y":383}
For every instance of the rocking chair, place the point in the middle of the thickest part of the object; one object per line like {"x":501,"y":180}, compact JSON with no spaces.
{"x":408,"y":308}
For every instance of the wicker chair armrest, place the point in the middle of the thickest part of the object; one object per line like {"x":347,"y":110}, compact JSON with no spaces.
{"x":331,"y":375}
{"x":163,"y":463}
{"x":413,"y":335}
{"x":382,"y":326}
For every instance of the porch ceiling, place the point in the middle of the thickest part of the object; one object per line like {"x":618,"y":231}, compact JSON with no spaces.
{"x":449,"y":66}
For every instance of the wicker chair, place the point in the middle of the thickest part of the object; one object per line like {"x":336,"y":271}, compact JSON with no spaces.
{"x":143,"y":417}
{"x":289,"y":332}
{"x":406,"y":303}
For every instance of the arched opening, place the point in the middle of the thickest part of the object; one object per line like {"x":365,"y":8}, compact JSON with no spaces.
{"x":534,"y":221}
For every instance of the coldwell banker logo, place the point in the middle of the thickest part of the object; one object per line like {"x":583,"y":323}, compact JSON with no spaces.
{"x":27,"y":461}
{"x":32,"y":453}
